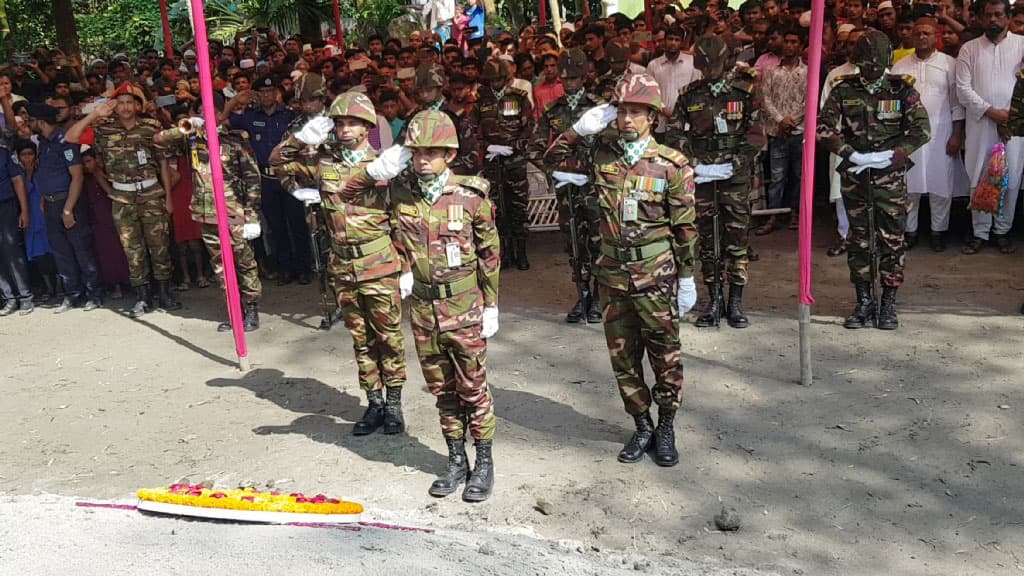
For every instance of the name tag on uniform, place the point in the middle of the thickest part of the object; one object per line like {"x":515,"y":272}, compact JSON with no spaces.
{"x":695,"y":108}
{"x":609,"y":169}
{"x":143,"y":157}
{"x":734,"y":110}
{"x":259,"y":124}
{"x":115,"y":138}
{"x":721,"y":126}
{"x":486,"y":108}
{"x":510,"y":108}
{"x":330,"y":175}
{"x":630,"y":209}
{"x":854,"y":102}
{"x":408,"y":210}
{"x":455,"y":217}
{"x":453,"y":252}
{"x":890,"y":109}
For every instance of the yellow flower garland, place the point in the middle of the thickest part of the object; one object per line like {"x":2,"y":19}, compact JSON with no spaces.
{"x":248,"y":499}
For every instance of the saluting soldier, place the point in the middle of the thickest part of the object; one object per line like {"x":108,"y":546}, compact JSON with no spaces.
{"x":430,"y":86}
{"x":125,"y":143}
{"x":645,"y":194}
{"x":445,"y":232}
{"x":717,"y":125}
{"x":558,"y":117}
{"x":881,"y":122}
{"x":363,"y":264}
{"x":241,"y":198}
{"x":506,"y":126}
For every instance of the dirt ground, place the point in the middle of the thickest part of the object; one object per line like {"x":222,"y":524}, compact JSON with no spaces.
{"x":904,"y":457}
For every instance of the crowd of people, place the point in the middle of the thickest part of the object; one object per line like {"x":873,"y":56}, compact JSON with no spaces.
{"x":398,"y":168}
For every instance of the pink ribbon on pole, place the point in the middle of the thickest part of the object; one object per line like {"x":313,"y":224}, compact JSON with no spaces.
{"x":340,"y":36}
{"x":810,"y":143}
{"x":165,"y":22}
{"x":217,"y":171}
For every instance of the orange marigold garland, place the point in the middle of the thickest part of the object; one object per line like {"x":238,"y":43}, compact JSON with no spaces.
{"x":248,"y":499}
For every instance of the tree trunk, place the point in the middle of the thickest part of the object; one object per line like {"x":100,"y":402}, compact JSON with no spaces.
{"x":64,"y":22}
{"x":491,"y":9}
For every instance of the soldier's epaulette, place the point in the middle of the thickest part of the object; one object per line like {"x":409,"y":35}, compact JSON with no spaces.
{"x":153,"y":123}
{"x":594,"y":98}
{"x":514,"y":90}
{"x":475,"y":183}
{"x":1020,"y":74}
{"x":905,"y":78}
{"x":844,"y":78}
{"x":552,"y":104}
{"x":672,"y":155}
{"x":685,"y":89}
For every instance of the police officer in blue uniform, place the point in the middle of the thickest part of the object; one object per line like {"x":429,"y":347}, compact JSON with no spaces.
{"x":59,"y":177}
{"x":15,"y":288}
{"x":267,"y":123}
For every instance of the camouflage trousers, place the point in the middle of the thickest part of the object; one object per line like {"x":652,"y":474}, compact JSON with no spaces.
{"x":372,"y":311}
{"x":588,"y":217}
{"x":508,"y":176}
{"x":635,"y":322}
{"x":889,"y":190}
{"x":249,"y":286}
{"x":734,"y":225}
{"x":145,"y":232}
{"x":454,"y":365}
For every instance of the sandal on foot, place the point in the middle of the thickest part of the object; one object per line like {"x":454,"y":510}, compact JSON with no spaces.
{"x":973,"y":245}
{"x":837,"y":250}
{"x":1004,"y":244}
{"x":203,"y":283}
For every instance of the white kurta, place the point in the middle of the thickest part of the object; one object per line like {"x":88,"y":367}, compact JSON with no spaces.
{"x":843,"y":69}
{"x":671,"y":77}
{"x":934,"y":171}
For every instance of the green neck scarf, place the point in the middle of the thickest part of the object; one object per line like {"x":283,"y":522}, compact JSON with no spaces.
{"x":353,"y":157}
{"x":633,"y":151}
{"x":432,"y":189}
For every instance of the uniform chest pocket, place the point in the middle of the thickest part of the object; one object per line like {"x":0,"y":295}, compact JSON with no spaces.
{"x":651,"y":205}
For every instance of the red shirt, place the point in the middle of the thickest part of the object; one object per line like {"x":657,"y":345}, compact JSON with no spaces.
{"x":546,"y":93}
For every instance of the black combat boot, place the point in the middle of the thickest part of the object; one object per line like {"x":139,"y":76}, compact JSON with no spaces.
{"x":373,"y":418}
{"x":456,"y":472}
{"x":864,"y":312}
{"x":522,"y":262}
{"x":734,"y":311}
{"x":167,"y":302}
{"x":665,"y":453}
{"x":507,"y":257}
{"x":251,"y":318}
{"x":634,"y":450}
{"x":394,"y":423}
{"x":575,"y":316}
{"x":481,"y":480}
{"x":887,"y":319}
{"x":594,"y":307}
{"x":712,"y":313}
{"x":141,"y":301}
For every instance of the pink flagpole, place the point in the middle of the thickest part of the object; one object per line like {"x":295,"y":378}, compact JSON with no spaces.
{"x":337,"y":24}
{"x":807,"y":187}
{"x":217,"y":170}
{"x":165,"y":22}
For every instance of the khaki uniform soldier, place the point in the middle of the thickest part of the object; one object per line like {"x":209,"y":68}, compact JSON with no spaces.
{"x":506,"y":126}
{"x":881,"y":123}
{"x":125,"y":144}
{"x":242,"y":199}
{"x":363,"y":264}
{"x":557,"y":118}
{"x":717,"y":125}
{"x":430,"y":85}
{"x":645,"y":194}
{"x":446,"y":235}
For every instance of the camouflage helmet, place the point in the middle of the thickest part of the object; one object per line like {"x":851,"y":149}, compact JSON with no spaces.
{"x":431,"y":129}
{"x":572,"y":64}
{"x":311,"y":86}
{"x":495,"y":70}
{"x":355,"y":105}
{"x":429,"y":76}
{"x":873,"y":48}
{"x":639,"y":89}
{"x":710,"y":52}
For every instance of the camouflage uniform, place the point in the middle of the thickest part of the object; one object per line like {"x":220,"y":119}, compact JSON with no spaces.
{"x":467,"y":122}
{"x":647,"y":239}
{"x":507,"y":119}
{"x":558,"y":117}
{"x":886,"y":116}
{"x":719,"y":122}
{"x":451,"y":247}
{"x":139,"y":200}
{"x":241,"y":197}
{"x":606,"y":84}
{"x":363,"y":265}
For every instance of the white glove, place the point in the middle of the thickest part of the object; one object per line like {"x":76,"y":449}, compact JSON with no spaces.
{"x":307,"y":196}
{"x":566,"y":178}
{"x":251,"y":231}
{"x":712,"y":172}
{"x":871,"y":157}
{"x":495,"y":150}
{"x":687,"y":295}
{"x":316,"y":131}
{"x":876,"y":166}
{"x":490,"y":322}
{"x":405,"y":285}
{"x":390,"y":163}
{"x":595,"y":120}
{"x":196,"y":122}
